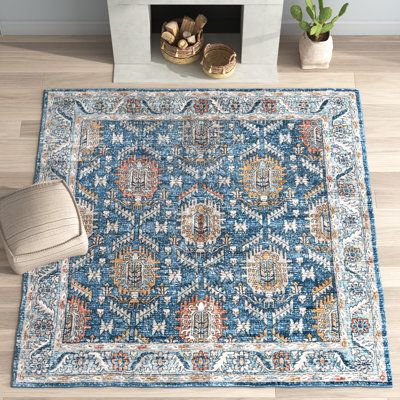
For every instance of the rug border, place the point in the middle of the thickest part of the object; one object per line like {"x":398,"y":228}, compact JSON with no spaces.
{"x":367,"y":182}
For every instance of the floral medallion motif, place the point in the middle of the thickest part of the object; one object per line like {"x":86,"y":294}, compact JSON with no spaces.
{"x":359,"y":325}
{"x":134,"y":272}
{"x":76,"y":321}
{"x":90,"y":136}
{"x":138,"y":177}
{"x":320,"y":224}
{"x":201,"y":138}
{"x":201,"y":106}
{"x":87,"y":214}
{"x":327,"y":319}
{"x":120,"y":361}
{"x":201,"y":321}
{"x":133,"y":106}
{"x":200,"y":361}
{"x":267,"y":271}
{"x":281,"y":360}
{"x":269,"y":105}
{"x":201,"y":222}
{"x":263,"y":178}
{"x":311,"y":135}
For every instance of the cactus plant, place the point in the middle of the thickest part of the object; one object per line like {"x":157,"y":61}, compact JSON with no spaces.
{"x":320,"y":24}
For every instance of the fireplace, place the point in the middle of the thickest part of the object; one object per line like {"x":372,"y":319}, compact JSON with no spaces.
{"x":251,"y":27}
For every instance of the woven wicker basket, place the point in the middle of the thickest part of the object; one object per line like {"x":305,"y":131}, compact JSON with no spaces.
{"x":182,"y":56}
{"x":219,"y":60}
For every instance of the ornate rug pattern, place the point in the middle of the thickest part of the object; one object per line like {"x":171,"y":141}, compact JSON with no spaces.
{"x":231,"y":243}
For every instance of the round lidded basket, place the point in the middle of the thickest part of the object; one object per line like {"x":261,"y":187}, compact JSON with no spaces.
{"x":219,"y":60}
{"x":176,"y":55}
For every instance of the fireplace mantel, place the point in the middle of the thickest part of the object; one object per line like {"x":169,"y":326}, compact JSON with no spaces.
{"x":137,"y":57}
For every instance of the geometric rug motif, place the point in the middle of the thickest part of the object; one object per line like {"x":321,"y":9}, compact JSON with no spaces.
{"x":231,"y":242}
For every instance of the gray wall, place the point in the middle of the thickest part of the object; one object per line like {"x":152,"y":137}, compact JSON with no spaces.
{"x":363,"y":17}
{"x":53,"y":17}
{"x":80,"y":17}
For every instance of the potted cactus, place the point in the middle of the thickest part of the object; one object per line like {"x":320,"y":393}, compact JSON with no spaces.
{"x":316,"y":44}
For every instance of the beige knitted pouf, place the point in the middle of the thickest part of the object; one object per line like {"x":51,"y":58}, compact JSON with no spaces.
{"x":41,"y":224}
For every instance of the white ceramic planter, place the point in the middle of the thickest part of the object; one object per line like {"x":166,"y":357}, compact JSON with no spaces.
{"x":315,"y":54}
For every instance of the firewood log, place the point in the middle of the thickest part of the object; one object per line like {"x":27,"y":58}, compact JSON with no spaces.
{"x":187,"y":25}
{"x":182,"y":44}
{"x":186,"y":34}
{"x":199,"y":24}
{"x":191,"y":39}
{"x":172,"y":27}
{"x":168,"y":36}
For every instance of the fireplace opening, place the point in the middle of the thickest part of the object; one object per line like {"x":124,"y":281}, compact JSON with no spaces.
{"x":221,"y":19}
{"x":224,"y":22}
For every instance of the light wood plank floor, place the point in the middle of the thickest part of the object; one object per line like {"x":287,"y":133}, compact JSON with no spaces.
{"x":372,"y":64}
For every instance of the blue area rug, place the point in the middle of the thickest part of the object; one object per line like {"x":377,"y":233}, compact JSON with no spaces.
{"x":231,"y":243}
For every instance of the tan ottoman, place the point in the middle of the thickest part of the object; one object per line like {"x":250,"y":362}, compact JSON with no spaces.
{"x":41,"y":224}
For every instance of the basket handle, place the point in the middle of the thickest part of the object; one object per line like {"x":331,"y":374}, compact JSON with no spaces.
{"x":232,"y":58}
{"x":207,"y":47}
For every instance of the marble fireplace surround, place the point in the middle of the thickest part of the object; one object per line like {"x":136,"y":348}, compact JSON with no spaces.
{"x":137,"y":57}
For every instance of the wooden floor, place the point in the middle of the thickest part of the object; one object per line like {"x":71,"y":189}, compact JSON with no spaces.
{"x":372,"y":64}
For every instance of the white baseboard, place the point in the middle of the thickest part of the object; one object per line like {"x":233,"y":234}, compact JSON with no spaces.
{"x":102,"y":28}
{"x":351,"y":28}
